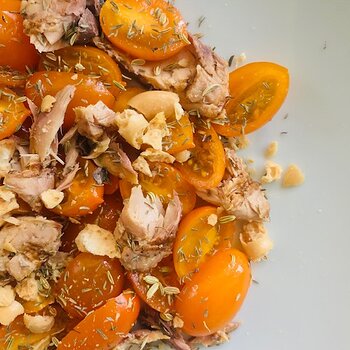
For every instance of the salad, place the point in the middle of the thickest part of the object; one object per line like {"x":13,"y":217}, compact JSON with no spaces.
{"x":127,"y":218}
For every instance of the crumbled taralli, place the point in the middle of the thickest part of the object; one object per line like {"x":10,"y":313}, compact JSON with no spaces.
{"x":293,"y":176}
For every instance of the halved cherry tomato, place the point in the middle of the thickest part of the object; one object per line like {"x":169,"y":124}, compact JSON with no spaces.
{"x":121,"y":102}
{"x":12,"y":111}
{"x":15,"y":49}
{"x":165,"y":273}
{"x":105,"y":327}
{"x":151,"y":30}
{"x":84,"y":194}
{"x":165,"y":181}
{"x":258,"y":91}
{"x":17,"y":336}
{"x":11,"y":78}
{"x":214,"y":295}
{"x":88,"y":91}
{"x":206,"y":167}
{"x":111,"y":186}
{"x":201,"y":233}
{"x":85,"y":60}
{"x":88,"y":281}
{"x":181,"y":135}
{"x":106,"y":216}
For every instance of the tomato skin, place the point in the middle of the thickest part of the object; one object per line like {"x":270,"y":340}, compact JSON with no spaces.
{"x":258,"y":90}
{"x":88,"y":91}
{"x":196,"y":240}
{"x":121,"y":102}
{"x":15,"y":49}
{"x":112,"y":186}
{"x":105,"y":327}
{"x":21,"y":337}
{"x":166,"y":275}
{"x":13,"y":113}
{"x":215,"y":294}
{"x":206,"y":167}
{"x":84,"y":194}
{"x":89,"y":280}
{"x":85,"y":60}
{"x":117,"y":17}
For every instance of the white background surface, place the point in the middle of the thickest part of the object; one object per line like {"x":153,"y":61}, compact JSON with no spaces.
{"x":303,"y":297}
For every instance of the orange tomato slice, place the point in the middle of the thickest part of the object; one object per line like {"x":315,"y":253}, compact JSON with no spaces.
{"x":85,"y":60}
{"x":258,"y":90}
{"x":201,"y":233}
{"x":84,"y":194}
{"x":88,"y":281}
{"x":206,"y":167}
{"x":166,"y":180}
{"x":88,"y":91}
{"x":181,"y":135}
{"x":12,"y":111}
{"x":151,"y":30}
{"x":17,"y":336}
{"x":16,"y":51}
{"x":105,"y":327}
{"x":215,"y":294}
{"x":121,"y":102}
{"x":161,"y":300}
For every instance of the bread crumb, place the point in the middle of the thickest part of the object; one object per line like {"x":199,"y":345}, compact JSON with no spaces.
{"x":9,"y":313}
{"x":141,"y":165}
{"x":183,"y":156}
{"x":51,"y":198}
{"x":155,"y":131}
{"x":38,"y":324}
{"x":273,"y":172}
{"x":47,"y":103}
{"x":242,"y":142}
{"x":293,"y":176}
{"x":271,"y":149}
{"x":28,"y":289}
{"x":157,"y":156}
{"x":97,"y":241}
{"x":132,"y":126}
{"x":7,"y":295}
{"x":212,"y":219}
{"x":255,"y":241}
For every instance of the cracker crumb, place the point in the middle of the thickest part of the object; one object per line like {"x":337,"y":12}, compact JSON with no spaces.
{"x":141,"y":165}
{"x":52,"y":198}
{"x":273,"y":172}
{"x":212,"y":219}
{"x":183,"y":156}
{"x":47,"y":103}
{"x":271,"y":149}
{"x":293,"y":176}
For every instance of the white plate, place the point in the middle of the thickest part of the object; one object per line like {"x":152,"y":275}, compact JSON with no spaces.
{"x":303,"y":297}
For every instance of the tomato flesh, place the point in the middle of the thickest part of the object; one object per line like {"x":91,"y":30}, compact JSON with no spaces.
{"x":215,"y":294}
{"x":121,"y":102}
{"x":84,"y":194}
{"x":16,"y":51}
{"x":166,"y":275}
{"x":150,"y":30}
{"x":206,"y":167}
{"x":89,"y":280}
{"x":85,"y":60}
{"x":198,"y":238}
{"x":12,"y":111}
{"x":258,"y":90}
{"x":105,"y":327}
{"x":88,"y":91}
